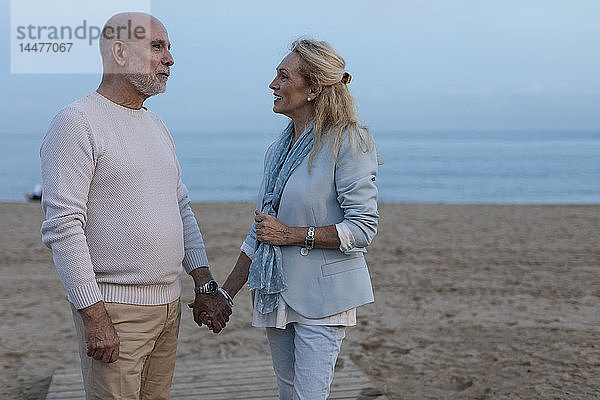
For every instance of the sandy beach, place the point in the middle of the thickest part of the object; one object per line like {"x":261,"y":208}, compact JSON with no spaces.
{"x":472,"y":302}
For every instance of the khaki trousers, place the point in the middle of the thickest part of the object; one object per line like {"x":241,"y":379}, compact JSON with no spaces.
{"x":144,"y":370}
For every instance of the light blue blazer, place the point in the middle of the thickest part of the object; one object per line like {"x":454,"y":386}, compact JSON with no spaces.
{"x":328,"y":281}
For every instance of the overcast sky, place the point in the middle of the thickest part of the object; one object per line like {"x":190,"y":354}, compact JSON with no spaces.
{"x":416,"y":65}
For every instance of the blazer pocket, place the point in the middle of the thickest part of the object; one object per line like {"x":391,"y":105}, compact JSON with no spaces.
{"x":340,"y":266}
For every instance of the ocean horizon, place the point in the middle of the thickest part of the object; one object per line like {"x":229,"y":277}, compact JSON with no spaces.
{"x":517,"y":167}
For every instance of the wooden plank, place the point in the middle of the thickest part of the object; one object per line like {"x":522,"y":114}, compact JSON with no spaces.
{"x":66,"y":395}
{"x":239,"y":378}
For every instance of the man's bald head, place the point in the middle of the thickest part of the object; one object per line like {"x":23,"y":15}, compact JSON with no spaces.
{"x":135,"y":48}
{"x":126,"y":27}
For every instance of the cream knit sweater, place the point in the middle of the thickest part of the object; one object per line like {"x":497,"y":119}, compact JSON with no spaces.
{"x":118,"y":218}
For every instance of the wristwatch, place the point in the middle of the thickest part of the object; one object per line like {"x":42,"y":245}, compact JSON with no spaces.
{"x":309,"y":242}
{"x":210,"y":287}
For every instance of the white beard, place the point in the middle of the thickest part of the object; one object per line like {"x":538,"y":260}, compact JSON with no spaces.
{"x":142,"y":78}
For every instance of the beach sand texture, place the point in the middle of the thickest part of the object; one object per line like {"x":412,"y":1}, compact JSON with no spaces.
{"x":472,"y":302}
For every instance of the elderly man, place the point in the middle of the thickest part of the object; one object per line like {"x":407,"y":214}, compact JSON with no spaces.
{"x":119,"y":223}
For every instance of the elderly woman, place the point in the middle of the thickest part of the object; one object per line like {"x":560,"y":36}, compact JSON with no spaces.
{"x":317,"y":212}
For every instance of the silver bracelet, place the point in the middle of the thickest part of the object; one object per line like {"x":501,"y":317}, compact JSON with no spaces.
{"x":309,"y":242}
{"x":227,"y":296}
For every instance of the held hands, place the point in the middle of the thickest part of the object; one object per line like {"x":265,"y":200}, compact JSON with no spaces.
{"x":270,"y":230}
{"x":211,"y":310}
{"x":101,"y":337}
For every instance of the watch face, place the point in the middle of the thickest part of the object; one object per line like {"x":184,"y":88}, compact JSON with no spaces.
{"x":212,"y":287}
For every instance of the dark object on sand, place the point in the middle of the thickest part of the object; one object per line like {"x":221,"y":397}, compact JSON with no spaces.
{"x":36,"y":195}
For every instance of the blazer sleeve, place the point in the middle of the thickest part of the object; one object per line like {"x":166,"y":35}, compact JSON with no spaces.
{"x":250,"y":244}
{"x":355,"y":173}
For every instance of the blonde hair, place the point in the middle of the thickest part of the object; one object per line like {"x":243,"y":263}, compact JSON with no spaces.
{"x":335,"y":112}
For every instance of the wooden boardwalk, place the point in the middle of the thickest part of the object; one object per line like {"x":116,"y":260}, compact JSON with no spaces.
{"x":235,"y":378}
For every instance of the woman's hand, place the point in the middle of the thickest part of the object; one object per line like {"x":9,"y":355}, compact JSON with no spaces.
{"x":270,"y":230}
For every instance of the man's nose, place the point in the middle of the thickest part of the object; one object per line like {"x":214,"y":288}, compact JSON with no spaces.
{"x":168,"y":59}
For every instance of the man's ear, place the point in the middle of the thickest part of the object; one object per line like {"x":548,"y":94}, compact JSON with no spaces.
{"x":119,"y":52}
{"x":315,"y":91}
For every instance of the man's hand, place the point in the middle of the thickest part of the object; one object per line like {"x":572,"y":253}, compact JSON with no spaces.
{"x":212,"y":310}
{"x":101,"y":338}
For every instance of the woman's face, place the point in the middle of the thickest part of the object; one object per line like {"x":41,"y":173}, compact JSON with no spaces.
{"x":289,"y":88}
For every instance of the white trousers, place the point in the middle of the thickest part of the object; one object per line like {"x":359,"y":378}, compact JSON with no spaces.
{"x":304,"y":359}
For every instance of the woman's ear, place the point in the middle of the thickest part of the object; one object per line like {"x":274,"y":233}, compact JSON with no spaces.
{"x":315,"y":91}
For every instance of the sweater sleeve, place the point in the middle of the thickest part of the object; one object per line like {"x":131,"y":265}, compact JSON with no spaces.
{"x":355,"y":174}
{"x":67,"y":157}
{"x":193,"y":243}
{"x":195,"y":252}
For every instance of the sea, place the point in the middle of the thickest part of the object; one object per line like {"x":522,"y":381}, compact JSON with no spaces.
{"x":528,"y":167}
